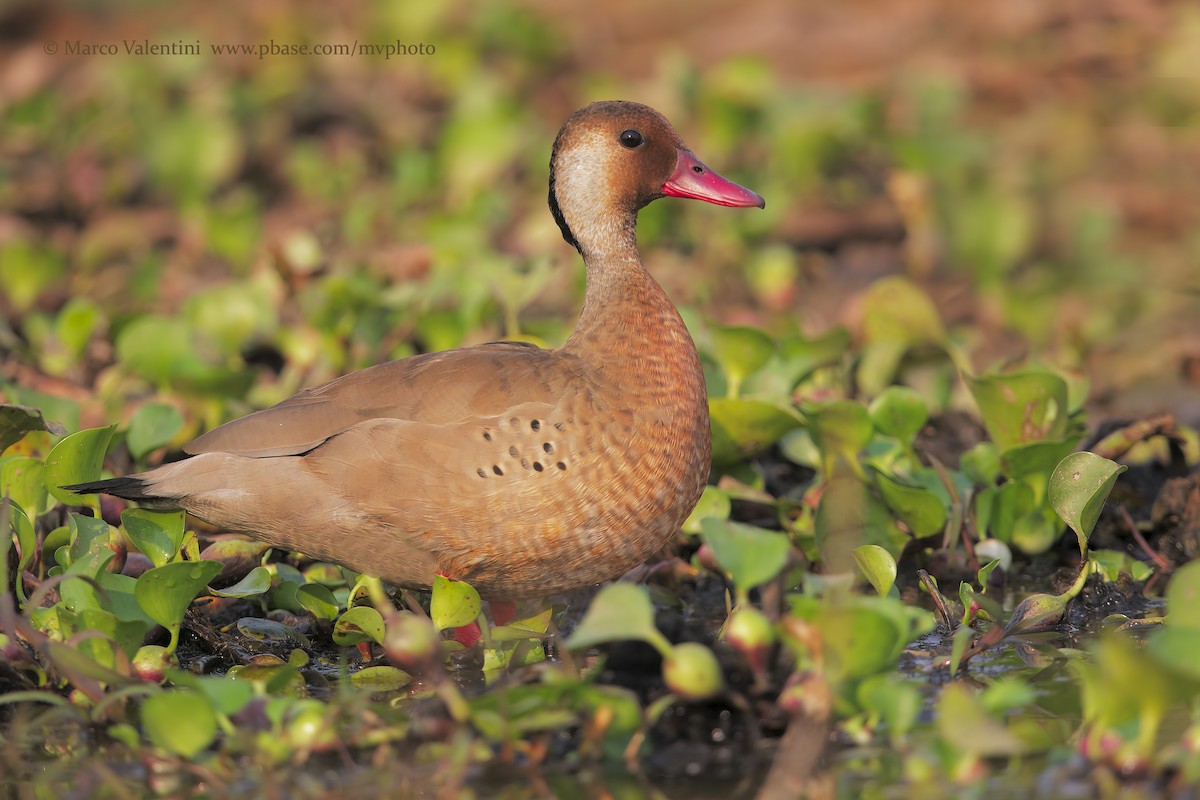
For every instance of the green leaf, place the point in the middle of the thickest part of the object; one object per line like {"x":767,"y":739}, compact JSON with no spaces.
{"x":840,"y":428}
{"x":619,"y":705}
{"x":920,"y":509}
{"x":153,"y":425}
{"x":751,"y":556}
{"x":75,"y":325}
{"x":17,"y":420}
{"x":72,"y":660}
{"x":1178,"y":649}
{"x":1035,"y":461}
{"x":238,"y":555}
{"x":900,"y":412}
{"x":619,"y":612}
{"x":877,"y":565}
{"x":88,"y":535}
{"x":358,"y":624}
{"x":1036,"y":531}
{"x":896,"y":310}
{"x":122,"y":598}
{"x":692,"y":672}
{"x":713,"y":502}
{"x":981,"y":464}
{"x":318,"y":599}
{"x":798,"y":447}
{"x":860,"y":639}
{"x":226,"y":695}
{"x":796,"y":359}
{"x":166,"y":350}
{"x":454,"y":603}
{"x":963,"y":721}
{"x":985,"y":572}
{"x":897,"y":317}
{"x":1021,"y":407}
{"x":165,"y":592}
{"x":958,"y":645}
{"x":1078,"y":489}
{"x":850,"y":515}
{"x":76,"y":459}
{"x":158,"y":534}
{"x":271,"y":632}
{"x":740,"y":351}
{"x":23,"y":479}
{"x":1183,"y":597}
{"x":380,"y":679}
{"x":533,"y":627}
{"x":26,"y":535}
{"x":27,"y":269}
{"x":1007,"y":693}
{"x":741,"y":428}
{"x":1036,"y":612}
{"x":896,"y":702}
{"x":180,"y":722}
{"x":126,"y":634}
{"x":256,"y":582}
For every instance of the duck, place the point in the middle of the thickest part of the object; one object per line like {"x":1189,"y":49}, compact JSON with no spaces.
{"x":526,"y":472}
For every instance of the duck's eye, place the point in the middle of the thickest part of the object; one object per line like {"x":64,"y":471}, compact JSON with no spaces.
{"x":631,"y":138}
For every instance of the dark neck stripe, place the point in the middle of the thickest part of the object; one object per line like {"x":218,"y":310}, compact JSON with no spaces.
{"x":568,"y":237}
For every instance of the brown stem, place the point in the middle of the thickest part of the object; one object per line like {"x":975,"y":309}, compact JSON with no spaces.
{"x":1155,"y":556}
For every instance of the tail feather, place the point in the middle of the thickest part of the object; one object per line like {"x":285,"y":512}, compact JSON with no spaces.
{"x":129,"y":487}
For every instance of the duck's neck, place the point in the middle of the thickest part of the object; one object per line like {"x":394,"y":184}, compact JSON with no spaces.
{"x":627,"y":318}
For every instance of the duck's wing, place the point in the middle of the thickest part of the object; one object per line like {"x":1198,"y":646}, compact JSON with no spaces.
{"x":438,"y":388}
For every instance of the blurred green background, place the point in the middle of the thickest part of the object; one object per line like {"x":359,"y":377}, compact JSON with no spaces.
{"x":228,"y":228}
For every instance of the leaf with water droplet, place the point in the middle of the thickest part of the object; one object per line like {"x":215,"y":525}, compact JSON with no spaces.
{"x":88,"y":535}
{"x":158,"y":534}
{"x":165,"y":592}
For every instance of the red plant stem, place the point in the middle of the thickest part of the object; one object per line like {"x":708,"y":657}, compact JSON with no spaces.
{"x":1158,"y":560}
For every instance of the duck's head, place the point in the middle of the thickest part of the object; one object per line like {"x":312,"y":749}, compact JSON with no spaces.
{"x":612,"y":158}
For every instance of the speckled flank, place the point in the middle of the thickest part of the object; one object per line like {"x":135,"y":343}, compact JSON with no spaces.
{"x":525,"y":471}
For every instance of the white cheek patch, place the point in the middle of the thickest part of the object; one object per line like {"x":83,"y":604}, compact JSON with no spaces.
{"x":582,"y":185}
